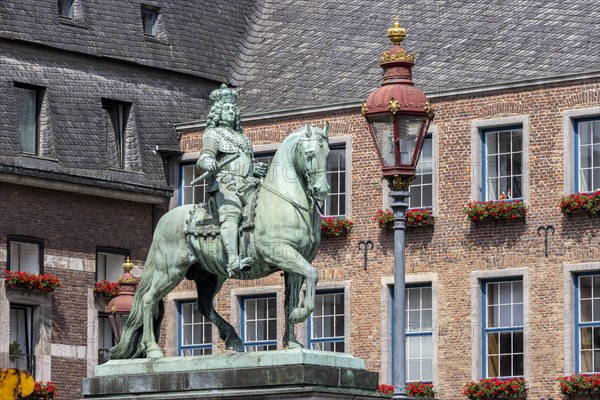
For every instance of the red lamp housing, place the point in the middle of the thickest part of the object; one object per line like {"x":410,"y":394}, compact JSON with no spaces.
{"x":398,"y":113}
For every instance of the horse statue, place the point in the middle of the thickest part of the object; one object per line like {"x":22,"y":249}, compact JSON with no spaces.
{"x":285,"y":237}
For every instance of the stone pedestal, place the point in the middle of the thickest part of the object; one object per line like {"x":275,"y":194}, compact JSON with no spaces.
{"x":286,"y":374}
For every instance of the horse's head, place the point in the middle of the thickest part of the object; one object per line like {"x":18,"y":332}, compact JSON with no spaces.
{"x":310,"y":160}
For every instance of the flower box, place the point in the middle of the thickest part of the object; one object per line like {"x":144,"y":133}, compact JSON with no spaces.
{"x":22,"y":280}
{"x":496,"y":388}
{"x":586,"y":202}
{"x":106,"y":289}
{"x":415,"y":217}
{"x":413,"y":389}
{"x":335,"y":226}
{"x":495,"y":210}
{"x":580,"y":387}
{"x":44,"y":391}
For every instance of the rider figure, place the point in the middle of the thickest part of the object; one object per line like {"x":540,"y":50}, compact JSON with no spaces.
{"x":223,"y":139}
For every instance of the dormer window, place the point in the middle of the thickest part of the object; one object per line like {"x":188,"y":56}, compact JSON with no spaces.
{"x":150,"y":20}
{"x":65,"y":8}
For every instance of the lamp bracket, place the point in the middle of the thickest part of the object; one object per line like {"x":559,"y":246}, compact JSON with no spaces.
{"x":399,"y":182}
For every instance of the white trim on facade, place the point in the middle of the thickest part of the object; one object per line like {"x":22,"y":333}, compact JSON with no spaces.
{"x":476,"y":150}
{"x":476,"y":316}
{"x":569,"y":143}
{"x":568,"y":274}
{"x":386,"y":321}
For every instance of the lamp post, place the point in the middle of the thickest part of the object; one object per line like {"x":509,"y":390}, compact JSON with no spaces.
{"x":119,"y":307}
{"x":398,"y":115}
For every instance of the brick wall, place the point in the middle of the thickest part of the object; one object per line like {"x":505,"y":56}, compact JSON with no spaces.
{"x":454,"y":247}
{"x":72,"y":225}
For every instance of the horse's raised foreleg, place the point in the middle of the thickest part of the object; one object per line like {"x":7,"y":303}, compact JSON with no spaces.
{"x":208,"y":286}
{"x":293,"y":285}
{"x":290,"y":260}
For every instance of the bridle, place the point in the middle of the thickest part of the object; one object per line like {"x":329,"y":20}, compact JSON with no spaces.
{"x":308,"y":175}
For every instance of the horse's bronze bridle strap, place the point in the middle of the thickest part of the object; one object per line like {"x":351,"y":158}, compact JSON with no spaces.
{"x":284,"y":197}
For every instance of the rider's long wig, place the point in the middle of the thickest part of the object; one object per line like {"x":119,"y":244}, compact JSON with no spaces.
{"x":214,"y":117}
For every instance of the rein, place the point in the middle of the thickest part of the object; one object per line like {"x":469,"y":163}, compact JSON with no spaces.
{"x":284,"y":197}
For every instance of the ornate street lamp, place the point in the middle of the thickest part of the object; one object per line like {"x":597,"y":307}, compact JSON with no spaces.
{"x":398,"y":114}
{"x":119,"y":307}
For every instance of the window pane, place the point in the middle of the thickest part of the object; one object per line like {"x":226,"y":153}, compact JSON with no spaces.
{"x":493,"y":366}
{"x":110,"y":266}
{"x":505,"y":316}
{"x":27,"y":118}
{"x":504,"y":140}
{"x":585,"y":156}
{"x":518,"y":365}
{"x":505,"y":365}
{"x":517,"y":315}
{"x":24,"y":257}
{"x":586,"y":338}
{"x":586,"y":361}
{"x":585,"y":312}
{"x":518,"y":342}
{"x":65,"y":8}
{"x":336,"y":177}
{"x":260,"y":323}
{"x":492,"y":143}
{"x":505,"y":163}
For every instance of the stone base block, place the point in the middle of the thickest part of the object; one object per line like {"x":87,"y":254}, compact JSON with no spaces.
{"x":288,"y":374}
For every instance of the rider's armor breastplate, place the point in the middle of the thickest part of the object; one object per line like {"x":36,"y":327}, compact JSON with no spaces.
{"x":232,"y":142}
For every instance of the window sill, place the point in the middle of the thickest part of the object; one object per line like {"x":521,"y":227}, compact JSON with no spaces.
{"x":72,"y":22}
{"x":154,"y":39}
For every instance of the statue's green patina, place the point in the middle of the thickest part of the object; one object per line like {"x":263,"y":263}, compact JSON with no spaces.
{"x":280,"y":230}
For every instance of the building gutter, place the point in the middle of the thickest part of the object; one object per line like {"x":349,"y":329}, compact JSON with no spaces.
{"x":433,"y":95}
{"x":89,"y":185}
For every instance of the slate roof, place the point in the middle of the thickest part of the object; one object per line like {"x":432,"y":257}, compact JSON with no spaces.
{"x":303,"y":53}
{"x":200,"y":39}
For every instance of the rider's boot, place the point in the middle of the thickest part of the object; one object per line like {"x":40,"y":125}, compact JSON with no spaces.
{"x":229,"y":236}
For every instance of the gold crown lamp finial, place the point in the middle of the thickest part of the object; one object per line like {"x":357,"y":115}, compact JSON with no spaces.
{"x":396,"y":33}
{"x":128,"y":265}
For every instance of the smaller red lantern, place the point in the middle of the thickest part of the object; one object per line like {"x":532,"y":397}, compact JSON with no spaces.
{"x":119,"y":308}
{"x":398,"y":114}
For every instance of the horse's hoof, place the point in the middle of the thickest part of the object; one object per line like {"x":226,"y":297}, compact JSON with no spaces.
{"x":298,"y":315}
{"x":235,"y":345}
{"x":157,"y":353}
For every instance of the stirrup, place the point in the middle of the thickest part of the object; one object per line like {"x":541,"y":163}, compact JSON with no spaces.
{"x":237,"y":266}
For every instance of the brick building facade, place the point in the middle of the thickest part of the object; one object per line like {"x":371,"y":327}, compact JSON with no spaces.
{"x":89,"y":160}
{"x":454,"y":257}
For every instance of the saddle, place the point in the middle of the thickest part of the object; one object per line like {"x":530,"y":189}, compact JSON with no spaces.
{"x":203,"y":221}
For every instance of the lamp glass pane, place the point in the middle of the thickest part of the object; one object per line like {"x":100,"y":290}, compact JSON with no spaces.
{"x":409,"y":128}
{"x":383,"y":131}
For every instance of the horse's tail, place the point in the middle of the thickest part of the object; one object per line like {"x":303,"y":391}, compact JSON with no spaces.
{"x":129,"y":346}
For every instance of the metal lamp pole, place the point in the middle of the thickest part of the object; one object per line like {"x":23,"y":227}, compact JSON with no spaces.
{"x":398,"y":115}
{"x":399,"y":206}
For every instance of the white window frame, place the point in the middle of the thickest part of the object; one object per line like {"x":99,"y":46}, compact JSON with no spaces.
{"x":183,"y":187}
{"x":569,"y":274}
{"x":477,"y":323}
{"x":17,"y":242}
{"x":108,"y":251}
{"x":386,"y":321}
{"x":569,"y":117}
{"x":236,"y":309}
{"x":42,"y":328}
{"x":155,"y":13}
{"x":204,"y":321}
{"x":70,"y":9}
{"x":340,"y":287}
{"x":477,"y":126}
